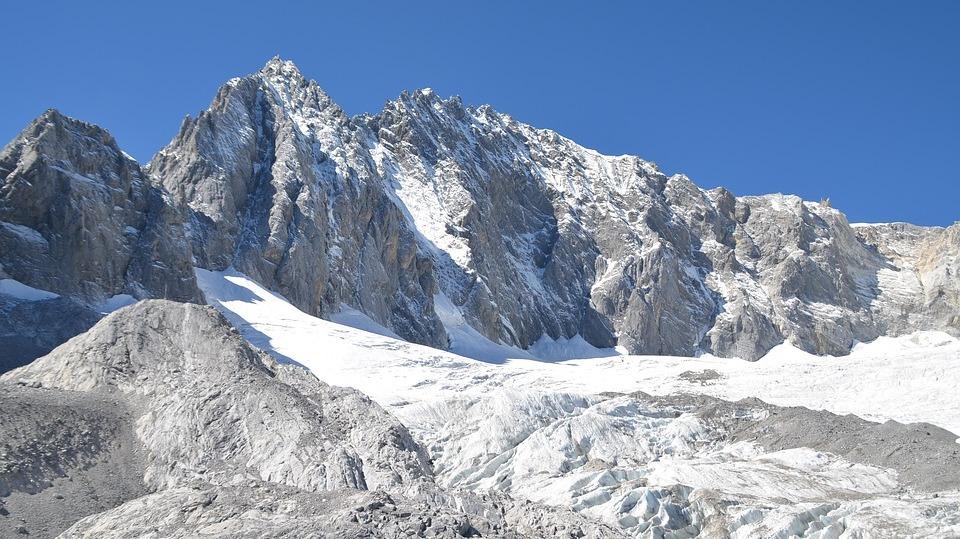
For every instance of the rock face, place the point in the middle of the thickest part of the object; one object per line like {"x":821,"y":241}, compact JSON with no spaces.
{"x":30,"y":329}
{"x":523,"y":234}
{"x":173,"y":424}
{"x":920,"y":285}
{"x":79,"y":218}
{"x":280,"y":186}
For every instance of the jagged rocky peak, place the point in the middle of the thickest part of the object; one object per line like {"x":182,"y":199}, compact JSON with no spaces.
{"x":280,"y":186}
{"x":277,"y":66}
{"x":79,"y":218}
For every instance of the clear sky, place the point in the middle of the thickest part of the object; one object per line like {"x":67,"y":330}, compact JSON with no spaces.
{"x":856,"y":101}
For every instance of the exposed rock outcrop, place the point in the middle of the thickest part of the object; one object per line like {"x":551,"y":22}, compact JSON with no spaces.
{"x":432,"y":214}
{"x":280,"y":186}
{"x":79,"y":218}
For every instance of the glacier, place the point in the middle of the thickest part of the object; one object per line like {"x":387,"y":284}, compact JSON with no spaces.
{"x":623,"y":438}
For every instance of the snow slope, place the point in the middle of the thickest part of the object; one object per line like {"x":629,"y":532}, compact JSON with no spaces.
{"x":907,"y":379}
{"x":573,"y":433}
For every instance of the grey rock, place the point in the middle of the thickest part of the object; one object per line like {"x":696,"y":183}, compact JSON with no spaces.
{"x":30,"y":329}
{"x":280,"y":187}
{"x":79,"y":218}
{"x":256,"y":509}
{"x":65,"y":455}
{"x":518,"y":231}
{"x":214,"y":406}
{"x":925,"y":456}
{"x":922,"y":284}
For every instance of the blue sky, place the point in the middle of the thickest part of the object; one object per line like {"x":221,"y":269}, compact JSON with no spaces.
{"x":856,"y":101}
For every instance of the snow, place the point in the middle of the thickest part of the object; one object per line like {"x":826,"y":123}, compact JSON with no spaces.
{"x":114,"y":303}
{"x":467,"y":341}
{"x":907,"y":379}
{"x":18,"y":290}
{"x":566,"y":432}
{"x":573,"y":348}
{"x":348,"y":316}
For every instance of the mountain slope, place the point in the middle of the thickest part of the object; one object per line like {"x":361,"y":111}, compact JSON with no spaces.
{"x":78,"y":217}
{"x":81,"y":222}
{"x":211,"y":434}
{"x":279,"y":187}
{"x":442,"y":222}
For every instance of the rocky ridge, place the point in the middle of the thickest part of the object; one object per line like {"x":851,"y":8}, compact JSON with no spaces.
{"x":455,"y":214}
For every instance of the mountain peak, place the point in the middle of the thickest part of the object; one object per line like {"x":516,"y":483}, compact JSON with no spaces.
{"x":62,"y":128}
{"x":54,"y":116}
{"x":277,"y":66}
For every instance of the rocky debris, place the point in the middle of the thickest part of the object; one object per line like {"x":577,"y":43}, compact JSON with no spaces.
{"x":213,"y":405}
{"x":704,"y":377}
{"x":925,"y":457}
{"x":64,"y":455}
{"x":257,"y":509}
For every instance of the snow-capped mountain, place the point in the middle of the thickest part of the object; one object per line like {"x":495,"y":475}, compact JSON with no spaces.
{"x":432,"y":214}
{"x":437,"y":219}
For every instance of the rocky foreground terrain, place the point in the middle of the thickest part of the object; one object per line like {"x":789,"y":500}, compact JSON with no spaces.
{"x":163,"y":421}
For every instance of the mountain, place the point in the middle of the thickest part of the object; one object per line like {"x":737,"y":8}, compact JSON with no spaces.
{"x":79,"y":218}
{"x":444,"y":222}
{"x":436,"y":219}
{"x":468,"y":257}
{"x":280,"y":186}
